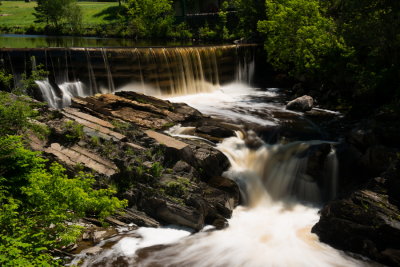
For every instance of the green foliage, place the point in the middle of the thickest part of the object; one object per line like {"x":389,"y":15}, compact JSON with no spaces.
{"x":95,"y":141}
{"x":36,"y":204}
{"x":156,"y":169}
{"x":27,"y":84}
{"x":298,"y":36}
{"x":74,"y":131}
{"x":249,"y":12}
{"x":150,"y":18}
{"x":6,"y":81}
{"x":181,"y":32}
{"x":59,"y":14}
{"x":15,"y":114}
{"x":207,"y":34}
{"x":177,"y":188}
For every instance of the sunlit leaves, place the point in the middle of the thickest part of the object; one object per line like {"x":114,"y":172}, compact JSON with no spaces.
{"x":298,"y":36}
{"x":39,"y":206}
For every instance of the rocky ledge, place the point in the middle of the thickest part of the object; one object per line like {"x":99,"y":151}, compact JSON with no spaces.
{"x":366,"y":221}
{"x":121,"y":140}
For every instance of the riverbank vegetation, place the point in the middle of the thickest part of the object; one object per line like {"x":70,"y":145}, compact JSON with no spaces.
{"x":40,"y":205}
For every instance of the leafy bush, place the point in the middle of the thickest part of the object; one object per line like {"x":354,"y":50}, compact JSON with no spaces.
{"x":15,"y":114}
{"x":6,"y":81}
{"x":74,"y":131}
{"x":156,"y":169}
{"x":177,"y":188}
{"x":38,"y":206}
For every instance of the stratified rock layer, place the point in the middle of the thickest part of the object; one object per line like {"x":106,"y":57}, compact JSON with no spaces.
{"x":166,"y":179}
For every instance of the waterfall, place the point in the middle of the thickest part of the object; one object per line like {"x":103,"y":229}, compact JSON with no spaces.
{"x":70,"y":90}
{"x":272,"y":229}
{"x":60,"y":96}
{"x":110,"y":80}
{"x":160,"y":71}
{"x":331,"y":174}
{"x":48,"y":93}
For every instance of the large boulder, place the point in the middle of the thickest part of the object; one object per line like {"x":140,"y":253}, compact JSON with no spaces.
{"x":303,"y":103}
{"x":366,"y":223}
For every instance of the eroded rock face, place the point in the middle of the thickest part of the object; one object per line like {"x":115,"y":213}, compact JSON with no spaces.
{"x":367,"y":222}
{"x":165,"y":179}
{"x":303,"y":103}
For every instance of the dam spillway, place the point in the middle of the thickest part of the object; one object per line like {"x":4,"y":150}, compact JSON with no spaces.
{"x":160,"y":70}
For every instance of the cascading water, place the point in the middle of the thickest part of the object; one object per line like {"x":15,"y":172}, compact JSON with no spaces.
{"x":273,"y":229}
{"x":165,"y":72}
{"x":60,"y":96}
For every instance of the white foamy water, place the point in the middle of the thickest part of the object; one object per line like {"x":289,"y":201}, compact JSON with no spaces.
{"x":274,"y":235}
{"x":273,"y":229}
{"x":235,"y":101}
{"x":127,"y":246}
{"x":267,"y":232}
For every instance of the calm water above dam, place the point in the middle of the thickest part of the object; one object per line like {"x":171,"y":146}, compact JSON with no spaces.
{"x":42,"y":41}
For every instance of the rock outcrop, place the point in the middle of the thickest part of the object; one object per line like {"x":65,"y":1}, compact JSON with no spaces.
{"x":303,"y":103}
{"x":367,"y":221}
{"x":166,"y":179}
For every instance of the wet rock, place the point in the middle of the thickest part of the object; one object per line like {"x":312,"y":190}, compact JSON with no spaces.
{"x":215,"y":131}
{"x":97,"y":236}
{"x":209,"y":161}
{"x":92,"y":251}
{"x":366,"y":223}
{"x":220,"y":223}
{"x":182,"y":167}
{"x":303,"y":103}
{"x":139,"y":218}
{"x":232,"y":199}
{"x":173,"y":213}
{"x":252,"y":140}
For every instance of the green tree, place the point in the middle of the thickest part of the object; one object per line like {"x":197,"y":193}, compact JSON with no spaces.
{"x":59,"y":14}
{"x":298,"y":37}
{"x":150,"y":18}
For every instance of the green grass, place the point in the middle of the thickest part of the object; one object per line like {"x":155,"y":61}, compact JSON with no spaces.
{"x":20,"y":14}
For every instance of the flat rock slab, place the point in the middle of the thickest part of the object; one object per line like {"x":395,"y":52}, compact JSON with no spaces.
{"x":88,"y":117}
{"x":78,"y":155}
{"x":166,"y":140}
{"x":96,"y":127}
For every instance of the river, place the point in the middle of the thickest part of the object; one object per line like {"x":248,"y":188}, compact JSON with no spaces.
{"x":272,"y":228}
{"x":280,"y":200}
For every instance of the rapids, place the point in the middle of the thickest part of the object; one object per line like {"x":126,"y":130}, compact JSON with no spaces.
{"x":280,"y":202}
